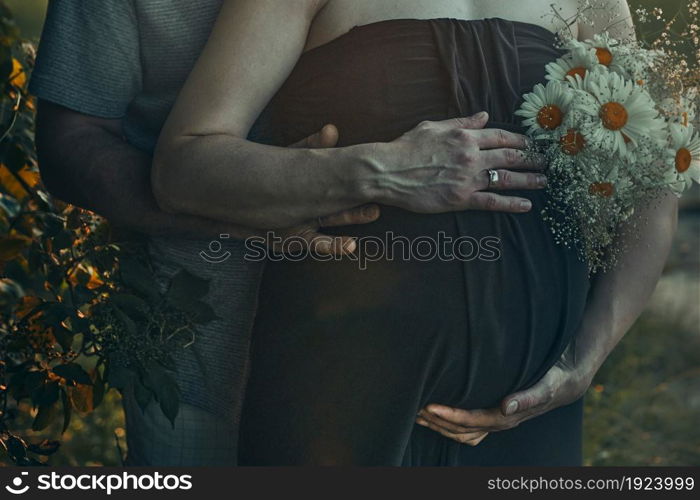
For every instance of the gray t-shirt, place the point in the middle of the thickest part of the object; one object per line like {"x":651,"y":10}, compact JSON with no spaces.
{"x":128,"y":59}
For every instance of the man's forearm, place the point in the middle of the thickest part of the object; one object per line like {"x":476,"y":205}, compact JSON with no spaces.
{"x":618,"y":297}
{"x":95,"y":168}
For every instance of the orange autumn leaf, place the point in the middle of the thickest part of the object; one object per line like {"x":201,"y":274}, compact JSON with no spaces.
{"x":11,"y":247}
{"x":18,"y":78}
{"x":12,"y":186}
{"x":82,"y":398}
{"x":87,"y":276}
{"x":26,"y":305}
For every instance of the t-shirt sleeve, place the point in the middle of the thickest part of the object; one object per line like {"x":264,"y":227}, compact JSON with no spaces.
{"x":89,"y":57}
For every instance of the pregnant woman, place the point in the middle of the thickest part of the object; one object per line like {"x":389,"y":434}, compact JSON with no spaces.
{"x":459,"y":308}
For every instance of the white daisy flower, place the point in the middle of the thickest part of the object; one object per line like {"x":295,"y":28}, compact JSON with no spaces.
{"x":579,"y":61}
{"x":604,"y":46}
{"x":545,"y":109}
{"x":683,"y":159}
{"x":573,"y":142}
{"x":620,"y":116}
{"x":609,"y":180}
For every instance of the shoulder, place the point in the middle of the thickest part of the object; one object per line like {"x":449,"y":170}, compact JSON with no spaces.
{"x":611,"y":16}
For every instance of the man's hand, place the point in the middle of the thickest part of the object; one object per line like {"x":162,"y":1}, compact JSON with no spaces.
{"x":444,"y":167}
{"x":563,"y":384}
{"x":317,"y":242}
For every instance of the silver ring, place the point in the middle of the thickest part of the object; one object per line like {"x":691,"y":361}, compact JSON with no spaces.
{"x":493,"y":177}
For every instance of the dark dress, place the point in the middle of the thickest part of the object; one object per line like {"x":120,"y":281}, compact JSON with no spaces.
{"x":343,"y":357}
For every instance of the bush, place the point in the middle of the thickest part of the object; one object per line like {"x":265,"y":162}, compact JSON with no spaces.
{"x":80,"y":314}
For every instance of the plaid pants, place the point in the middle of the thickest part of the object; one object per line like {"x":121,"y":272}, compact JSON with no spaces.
{"x":206,"y":429}
{"x":199,"y":438}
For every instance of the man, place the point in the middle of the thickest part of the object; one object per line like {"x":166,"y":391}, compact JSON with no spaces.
{"x":107,"y":75}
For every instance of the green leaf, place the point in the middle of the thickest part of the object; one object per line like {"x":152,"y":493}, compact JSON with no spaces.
{"x":16,"y":447}
{"x":13,"y":156}
{"x":53,"y":224}
{"x":73,"y":372}
{"x":54,"y":313}
{"x":186,"y":288}
{"x":11,"y":248}
{"x":131,"y":305}
{"x":98,"y":389}
{"x":46,"y":395}
{"x":64,"y":337}
{"x":165,"y":389}
{"x":44,"y":417}
{"x":119,"y":376}
{"x":63,"y":239}
{"x":45,"y":447}
{"x":32,"y":381}
{"x":138,"y":277}
{"x":128,"y":323}
{"x":67,"y":409}
{"x":202,"y":312}
{"x":142,"y":394}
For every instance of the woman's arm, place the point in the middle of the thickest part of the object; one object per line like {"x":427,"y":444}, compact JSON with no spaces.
{"x":204,"y":165}
{"x":615,"y":301}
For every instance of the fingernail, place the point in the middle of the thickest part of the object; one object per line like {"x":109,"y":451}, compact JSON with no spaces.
{"x":525,"y":205}
{"x":481,"y":115}
{"x":511,"y":408}
{"x":422,"y":422}
{"x":349,"y":246}
{"x":541,"y":181}
{"x":434,"y":411}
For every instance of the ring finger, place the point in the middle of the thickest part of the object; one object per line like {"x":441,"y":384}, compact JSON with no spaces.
{"x":506,"y":179}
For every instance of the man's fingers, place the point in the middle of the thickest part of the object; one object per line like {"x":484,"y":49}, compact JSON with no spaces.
{"x":327,"y":137}
{"x":319,"y":243}
{"x":359,"y":215}
{"x":493,"y":138}
{"x":469,"y":438}
{"x":498,"y":203}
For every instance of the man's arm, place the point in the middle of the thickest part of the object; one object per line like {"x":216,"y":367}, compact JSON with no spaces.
{"x":85,"y":161}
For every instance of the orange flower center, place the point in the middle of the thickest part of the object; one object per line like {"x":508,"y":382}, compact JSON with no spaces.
{"x":605,"y":57}
{"x":572,"y":143}
{"x":614,"y":115}
{"x":683,"y":158}
{"x":602,"y":189}
{"x":581,"y":71}
{"x":550,"y":117}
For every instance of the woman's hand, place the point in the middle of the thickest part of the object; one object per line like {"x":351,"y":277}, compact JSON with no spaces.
{"x":443,"y":166}
{"x":563,"y":384}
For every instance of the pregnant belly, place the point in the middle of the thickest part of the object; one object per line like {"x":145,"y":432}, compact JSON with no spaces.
{"x":468,"y":306}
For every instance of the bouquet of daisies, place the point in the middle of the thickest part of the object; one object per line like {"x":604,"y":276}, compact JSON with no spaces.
{"x":614,"y":136}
